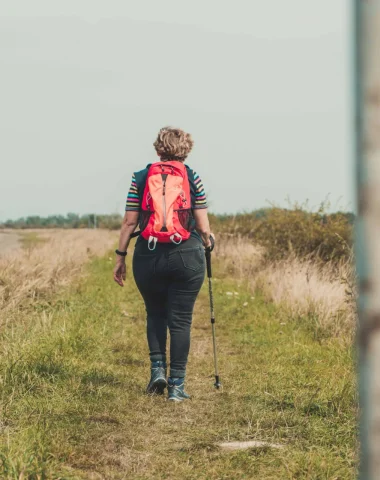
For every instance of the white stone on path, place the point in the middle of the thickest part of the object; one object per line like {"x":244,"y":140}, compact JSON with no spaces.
{"x":249,"y":444}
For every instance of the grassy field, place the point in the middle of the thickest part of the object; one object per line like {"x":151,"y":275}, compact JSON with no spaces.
{"x":74,"y":368}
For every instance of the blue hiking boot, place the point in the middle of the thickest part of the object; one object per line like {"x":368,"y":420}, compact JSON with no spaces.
{"x":158,"y":381}
{"x":176,"y":390}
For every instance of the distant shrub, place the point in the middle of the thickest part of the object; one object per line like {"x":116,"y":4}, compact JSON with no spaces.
{"x":293,"y":231}
{"x":112,"y":222}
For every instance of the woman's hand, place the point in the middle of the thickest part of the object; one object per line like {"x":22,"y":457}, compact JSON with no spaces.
{"x":210,"y":242}
{"x":120,"y":271}
{"x":202,"y":226}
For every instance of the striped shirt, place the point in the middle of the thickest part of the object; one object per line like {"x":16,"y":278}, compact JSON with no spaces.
{"x":133,"y":200}
{"x":200,"y":194}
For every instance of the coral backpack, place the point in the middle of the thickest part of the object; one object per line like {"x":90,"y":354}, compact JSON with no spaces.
{"x":166,"y":204}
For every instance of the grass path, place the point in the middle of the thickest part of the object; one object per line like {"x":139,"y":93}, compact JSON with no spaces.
{"x":73,"y":376}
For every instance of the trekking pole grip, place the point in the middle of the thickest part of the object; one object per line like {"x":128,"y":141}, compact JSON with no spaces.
{"x":208,"y":262}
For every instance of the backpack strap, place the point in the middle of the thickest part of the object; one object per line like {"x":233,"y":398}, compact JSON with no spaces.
{"x":141,"y":180}
{"x":140,"y":177}
{"x":193,"y":188}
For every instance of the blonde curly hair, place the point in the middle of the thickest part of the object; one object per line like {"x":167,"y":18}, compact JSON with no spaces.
{"x":173,"y":144}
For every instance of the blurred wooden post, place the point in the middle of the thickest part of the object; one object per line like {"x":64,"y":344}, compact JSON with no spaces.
{"x":367,"y":72}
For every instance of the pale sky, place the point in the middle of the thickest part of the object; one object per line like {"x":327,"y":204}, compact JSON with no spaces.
{"x":263,"y":87}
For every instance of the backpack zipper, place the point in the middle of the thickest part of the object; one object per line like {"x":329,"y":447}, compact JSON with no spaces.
{"x":164,"y":204}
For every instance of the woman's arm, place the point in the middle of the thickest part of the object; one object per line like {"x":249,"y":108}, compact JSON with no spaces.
{"x":128,"y":226}
{"x":202,"y":225}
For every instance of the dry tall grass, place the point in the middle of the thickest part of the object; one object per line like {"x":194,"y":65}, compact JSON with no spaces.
{"x":239,"y":256}
{"x":307,"y":288}
{"x":33,"y":273}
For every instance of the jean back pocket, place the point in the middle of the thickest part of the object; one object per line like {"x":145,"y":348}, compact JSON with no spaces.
{"x":192,"y":258}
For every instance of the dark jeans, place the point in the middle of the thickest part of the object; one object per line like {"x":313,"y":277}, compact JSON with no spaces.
{"x":169,"y":280}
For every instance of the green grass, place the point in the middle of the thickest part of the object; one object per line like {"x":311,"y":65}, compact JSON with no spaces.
{"x":73,"y":374}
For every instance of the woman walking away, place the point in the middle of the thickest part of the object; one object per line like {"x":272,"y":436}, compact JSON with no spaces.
{"x":168,"y":201}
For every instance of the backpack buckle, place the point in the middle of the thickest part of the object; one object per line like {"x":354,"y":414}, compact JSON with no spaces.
{"x":148,"y":199}
{"x":183,"y":198}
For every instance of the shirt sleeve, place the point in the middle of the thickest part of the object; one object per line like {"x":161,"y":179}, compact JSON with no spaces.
{"x":200,"y":194}
{"x":133,"y":200}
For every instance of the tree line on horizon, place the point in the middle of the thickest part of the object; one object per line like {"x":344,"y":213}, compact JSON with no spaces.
{"x":70,"y":220}
{"x":113,"y":221}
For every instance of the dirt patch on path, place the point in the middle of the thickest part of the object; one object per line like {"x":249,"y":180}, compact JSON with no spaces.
{"x":9,"y":241}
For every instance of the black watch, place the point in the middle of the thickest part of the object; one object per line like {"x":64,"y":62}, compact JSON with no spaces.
{"x":122,"y":254}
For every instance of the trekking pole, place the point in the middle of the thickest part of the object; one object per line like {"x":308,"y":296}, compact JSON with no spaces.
{"x":208,"y":251}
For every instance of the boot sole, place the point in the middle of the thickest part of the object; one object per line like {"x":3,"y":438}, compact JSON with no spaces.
{"x":157,"y":387}
{"x":177,"y":400}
